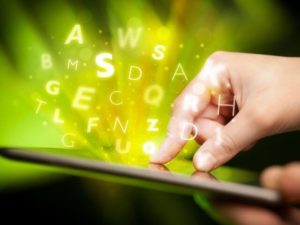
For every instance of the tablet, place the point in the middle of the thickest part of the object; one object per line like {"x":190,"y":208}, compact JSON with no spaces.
{"x":222,"y":184}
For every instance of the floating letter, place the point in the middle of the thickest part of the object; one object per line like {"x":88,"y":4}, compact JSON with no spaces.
{"x":149,"y":147}
{"x":101,"y":61}
{"x":83,"y":97}
{"x":67,"y":141}
{"x":179,"y":72}
{"x":56,"y":118}
{"x":187,"y":130}
{"x":46,"y":61}
{"x":152,"y":125}
{"x":92,"y":122}
{"x":113,"y":100}
{"x":159,"y":52}
{"x":73,"y":63}
{"x":123,"y":128}
{"x":75,"y":35}
{"x":52,"y":87}
{"x":123,"y":150}
{"x":132,"y":36}
{"x":153,"y":95}
{"x":41,"y":102}
{"x":226,"y":105}
{"x":190,"y":102}
{"x":135,"y":75}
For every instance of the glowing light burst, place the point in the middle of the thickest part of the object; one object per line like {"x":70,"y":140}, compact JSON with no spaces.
{"x":104,"y":76}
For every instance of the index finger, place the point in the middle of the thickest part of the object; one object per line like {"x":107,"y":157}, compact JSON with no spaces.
{"x":190,"y":103}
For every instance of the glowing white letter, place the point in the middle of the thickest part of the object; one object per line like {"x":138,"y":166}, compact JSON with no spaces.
{"x":68,"y":144}
{"x":52,"y":87}
{"x":159,"y":52}
{"x":101,"y":62}
{"x":92,"y":122}
{"x":41,"y":102}
{"x":46,"y":61}
{"x":153,"y":95}
{"x":56,"y":118}
{"x":117,"y":121}
{"x":75,"y":35}
{"x":112,"y":100}
{"x":132,"y":36}
{"x":190,"y":102}
{"x":152,"y":125}
{"x":137,"y":75}
{"x":179,"y":72}
{"x":82,"y":95}
{"x":187,"y":130}
{"x":119,"y":148}
{"x":73,"y":63}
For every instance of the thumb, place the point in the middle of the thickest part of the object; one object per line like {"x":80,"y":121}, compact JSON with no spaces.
{"x":239,"y":133}
{"x":284,"y":179}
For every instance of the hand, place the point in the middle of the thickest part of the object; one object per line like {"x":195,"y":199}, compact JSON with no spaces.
{"x":266,"y":91}
{"x":284,"y":179}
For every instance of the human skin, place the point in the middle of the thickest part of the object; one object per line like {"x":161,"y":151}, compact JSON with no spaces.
{"x":286,"y":180}
{"x":266,"y":90}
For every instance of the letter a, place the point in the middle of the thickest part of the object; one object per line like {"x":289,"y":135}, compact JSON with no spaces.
{"x":75,"y":35}
{"x":179,"y":72}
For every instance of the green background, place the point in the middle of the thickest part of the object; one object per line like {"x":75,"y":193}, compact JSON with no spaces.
{"x":191,"y":30}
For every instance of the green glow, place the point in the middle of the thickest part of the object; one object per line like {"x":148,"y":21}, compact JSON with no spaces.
{"x":190,"y":31}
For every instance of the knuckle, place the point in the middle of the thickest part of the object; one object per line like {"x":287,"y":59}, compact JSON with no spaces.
{"x":217,"y":68}
{"x":217,"y":57}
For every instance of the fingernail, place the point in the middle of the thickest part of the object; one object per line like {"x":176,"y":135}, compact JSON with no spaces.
{"x":205,"y":161}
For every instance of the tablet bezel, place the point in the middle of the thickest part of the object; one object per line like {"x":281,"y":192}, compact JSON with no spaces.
{"x":220,"y":190}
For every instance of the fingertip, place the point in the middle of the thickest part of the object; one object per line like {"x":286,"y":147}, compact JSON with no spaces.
{"x":154,"y":158}
{"x":158,"y":157}
{"x":284,"y":179}
{"x":163,"y":155}
{"x":271,"y":176}
{"x":246,"y":214}
{"x":204,"y":160}
{"x":290,"y":182}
